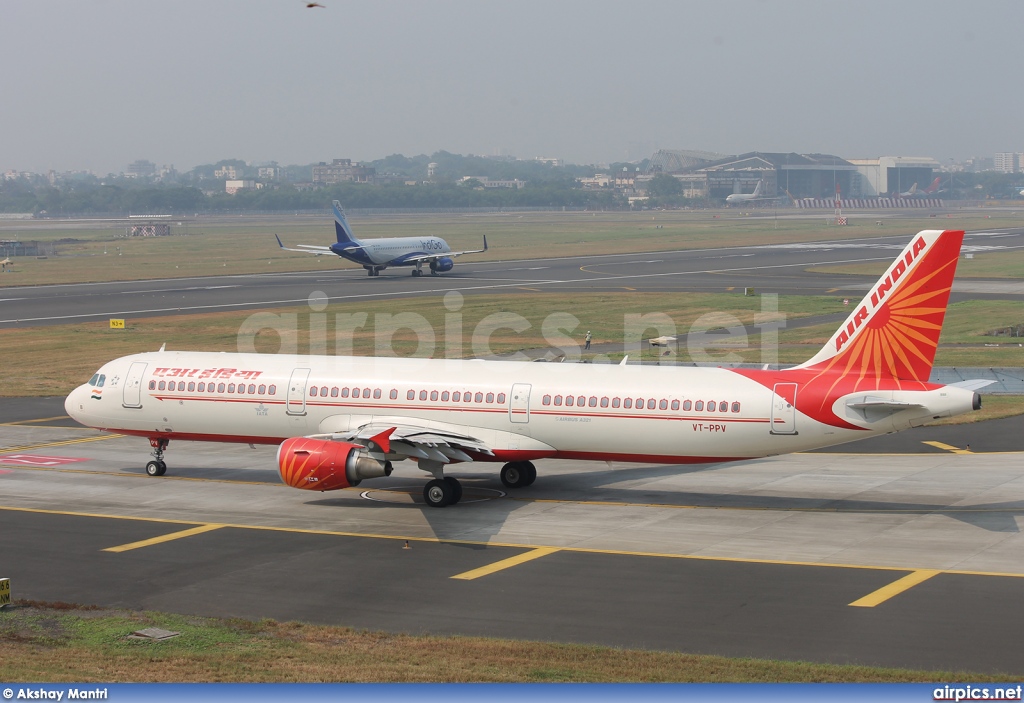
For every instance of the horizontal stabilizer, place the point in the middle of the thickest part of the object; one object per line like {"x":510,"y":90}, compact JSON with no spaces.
{"x":973,"y":384}
{"x":874,"y":403}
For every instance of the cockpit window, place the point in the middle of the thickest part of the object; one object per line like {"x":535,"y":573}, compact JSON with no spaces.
{"x":103,"y":378}
{"x":95,"y":377}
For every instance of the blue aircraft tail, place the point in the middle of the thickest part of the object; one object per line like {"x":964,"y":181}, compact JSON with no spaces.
{"x":341,"y":227}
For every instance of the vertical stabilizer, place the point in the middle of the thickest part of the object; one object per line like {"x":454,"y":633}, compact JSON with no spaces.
{"x":894,"y":331}
{"x":757,"y":188}
{"x":341,"y":226}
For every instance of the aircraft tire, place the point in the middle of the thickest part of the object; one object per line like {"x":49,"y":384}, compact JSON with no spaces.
{"x":531,"y":473}
{"x":515,"y":474}
{"x":156,"y":468}
{"x":456,"y":487}
{"x":437,"y":494}
{"x":417,"y":272}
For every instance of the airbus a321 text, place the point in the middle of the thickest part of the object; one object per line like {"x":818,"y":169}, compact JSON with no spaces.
{"x":340,"y":420}
{"x":375,"y":255}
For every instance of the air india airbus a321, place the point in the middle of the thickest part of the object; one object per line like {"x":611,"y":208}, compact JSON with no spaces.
{"x":339,"y":420}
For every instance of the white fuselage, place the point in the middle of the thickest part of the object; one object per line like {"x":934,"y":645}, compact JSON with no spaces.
{"x":393,"y":250}
{"x":518,"y":409}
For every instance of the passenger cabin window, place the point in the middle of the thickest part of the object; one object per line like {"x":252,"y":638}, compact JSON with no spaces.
{"x":479,"y":397}
{"x":490,"y":398}
{"x":394,"y":394}
{"x":252,"y":387}
{"x":616,"y":402}
{"x":558,"y":400}
{"x":434,"y":395}
{"x":272,"y":390}
{"x":627,"y":403}
{"x":650,"y":404}
{"x":569,"y":401}
{"x":699,"y":405}
{"x":687,"y":405}
{"x":376,"y":393}
{"x":593,"y":401}
{"x":735,"y":407}
{"x":191,"y":386}
{"x":546,"y":400}
{"x":334,"y":391}
{"x":262,"y":389}
{"x":344,"y":392}
{"x":423,"y":395}
{"x":444,"y":396}
{"x":662,"y":404}
{"x":456,"y":396}
{"x":501,"y":397}
{"x":152,"y":385}
{"x":410,"y":395}
{"x":580,"y":400}
{"x":675,"y":404}
{"x":162,"y":385}
{"x":312,"y":390}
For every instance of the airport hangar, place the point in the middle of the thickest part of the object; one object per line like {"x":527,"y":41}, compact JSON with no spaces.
{"x":709,"y":175}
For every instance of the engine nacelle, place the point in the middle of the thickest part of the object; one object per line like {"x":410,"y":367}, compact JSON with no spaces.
{"x":441,"y":265}
{"x":323,"y":465}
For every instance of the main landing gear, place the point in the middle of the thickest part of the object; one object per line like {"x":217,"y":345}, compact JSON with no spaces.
{"x":518,"y":474}
{"x":157,"y":467}
{"x":441,"y":492}
{"x":372,"y":270}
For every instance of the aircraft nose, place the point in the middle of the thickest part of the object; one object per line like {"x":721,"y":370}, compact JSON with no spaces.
{"x":73,"y":404}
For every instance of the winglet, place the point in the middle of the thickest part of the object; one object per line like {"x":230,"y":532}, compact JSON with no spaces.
{"x":279,"y":242}
{"x":485,"y":242}
{"x":383,"y":440}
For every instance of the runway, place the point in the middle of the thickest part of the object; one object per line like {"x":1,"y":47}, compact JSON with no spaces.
{"x":768,"y":269}
{"x":909,"y":560}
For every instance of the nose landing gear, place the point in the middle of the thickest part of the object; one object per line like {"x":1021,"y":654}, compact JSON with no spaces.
{"x":157,"y":467}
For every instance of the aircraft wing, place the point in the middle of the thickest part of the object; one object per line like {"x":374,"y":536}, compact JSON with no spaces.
{"x":304,"y":248}
{"x":451,"y":254}
{"x":313,"y":248}
{"x":410,"y":440}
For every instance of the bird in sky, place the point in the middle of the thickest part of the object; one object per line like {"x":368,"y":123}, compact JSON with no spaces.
{"x":314,"y":4}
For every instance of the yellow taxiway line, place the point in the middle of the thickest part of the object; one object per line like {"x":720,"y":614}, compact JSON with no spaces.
{"x":895,"y":588}
{"x":948,"y":447}
{"x":528,"y":547}
{"x":164,"y":538}
{"x":506,"y":563}
{"x":61,"y":443}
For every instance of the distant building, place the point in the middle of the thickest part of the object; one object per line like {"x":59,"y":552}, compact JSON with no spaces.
{"x":226,"y":172}
{"x":269,"y":173}
{"x":431,"y":169}
{"x":1008,"y":162}
{"x":140,"y":169}
{"x":488,"y":183}
{"x":232,"y":187}
{"x":341,"y":171}
{"x":549,"y":161}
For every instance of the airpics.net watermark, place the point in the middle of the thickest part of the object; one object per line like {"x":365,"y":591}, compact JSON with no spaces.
{"x":563,"y":333}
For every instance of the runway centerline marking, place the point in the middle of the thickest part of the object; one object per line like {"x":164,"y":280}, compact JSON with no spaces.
{"x":895,"y":588}
{"x":165,"y":538}
{"x":949,"y":447}
{"x":506,"y":563}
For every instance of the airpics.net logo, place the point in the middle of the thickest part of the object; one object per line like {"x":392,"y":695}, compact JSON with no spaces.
{"x":978,"y":693}
{"x":708,"y":338}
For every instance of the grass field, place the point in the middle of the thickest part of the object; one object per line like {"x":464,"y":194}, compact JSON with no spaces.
{"x":53,"y":360}
{"x":94,"y":251}
{"x":58,"y":643}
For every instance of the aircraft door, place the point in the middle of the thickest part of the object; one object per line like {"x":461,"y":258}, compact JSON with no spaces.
{"x":296,"y":401}
{"x":519,"y":403}
{"x":783,"y":411}
{"x":132,"y":394}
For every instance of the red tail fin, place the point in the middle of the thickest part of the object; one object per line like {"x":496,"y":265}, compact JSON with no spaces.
{"x":894,"y":331}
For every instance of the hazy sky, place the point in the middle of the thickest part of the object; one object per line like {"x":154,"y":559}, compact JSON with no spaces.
{"x":98,"y":84}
